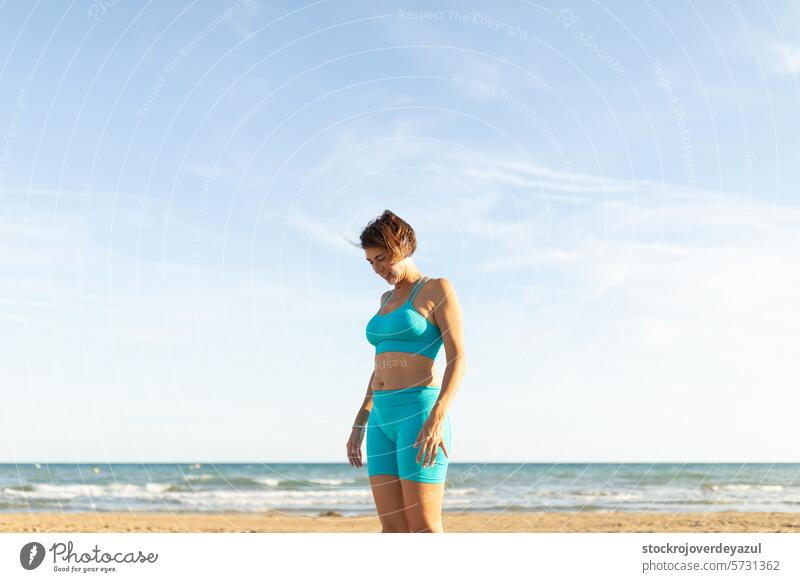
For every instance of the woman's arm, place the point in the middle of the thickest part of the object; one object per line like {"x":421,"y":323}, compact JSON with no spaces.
{"x":366,"y":406}
{"x":357,"y":434}
{"x":447,"y":315}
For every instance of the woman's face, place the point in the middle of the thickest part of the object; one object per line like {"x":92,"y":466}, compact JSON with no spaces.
{"x":381,"y":263}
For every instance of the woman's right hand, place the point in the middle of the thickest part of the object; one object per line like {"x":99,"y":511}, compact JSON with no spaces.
{"x":354,"y":447}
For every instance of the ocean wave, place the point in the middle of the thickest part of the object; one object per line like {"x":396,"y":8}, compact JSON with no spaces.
{"x":182,"y":495}
{"x":588,"y":495}
{"x":465,"y":491}
{"x":19,"y":488}
{"x":695,"y":501}
{"x":201,"y":477}
{"x":73,"y":491}
{"x":610,"y":496}
{"x":743,"y":487}
{"x":331,"y":481}
{"x":218,"y":500}
{"x":207,"y":479}
{"x":312,"y":483}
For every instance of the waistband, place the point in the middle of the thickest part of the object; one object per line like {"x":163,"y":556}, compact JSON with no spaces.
{"x":405,"y":390}
{"x":403,"y":396}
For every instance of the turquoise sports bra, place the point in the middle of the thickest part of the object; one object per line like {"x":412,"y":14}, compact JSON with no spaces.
{"x":404,"y":329}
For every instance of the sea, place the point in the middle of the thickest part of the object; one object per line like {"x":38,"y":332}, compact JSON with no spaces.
{"x":319,"y":488}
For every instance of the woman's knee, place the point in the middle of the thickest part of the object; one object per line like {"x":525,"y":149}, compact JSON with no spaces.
{"x":424,"y":522}
{"x":432,"y":527}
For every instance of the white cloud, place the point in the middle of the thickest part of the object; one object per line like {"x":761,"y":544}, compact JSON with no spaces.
{"x":695,"y":291}
{"x":318,"y":231}
{"x":785,"y":59}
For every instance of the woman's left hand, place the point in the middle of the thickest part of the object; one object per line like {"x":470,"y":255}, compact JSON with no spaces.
{"x":429,"y":439}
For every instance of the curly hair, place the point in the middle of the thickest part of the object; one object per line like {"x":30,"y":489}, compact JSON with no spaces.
{"x":392,"y":233}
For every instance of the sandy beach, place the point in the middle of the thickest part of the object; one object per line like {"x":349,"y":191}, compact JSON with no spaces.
{"x":454,"y":522}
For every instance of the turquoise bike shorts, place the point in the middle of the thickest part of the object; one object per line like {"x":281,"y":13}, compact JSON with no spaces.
{"x":392,"y":429}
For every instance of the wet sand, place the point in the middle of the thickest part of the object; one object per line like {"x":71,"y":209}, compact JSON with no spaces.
{"x":454,"y":522}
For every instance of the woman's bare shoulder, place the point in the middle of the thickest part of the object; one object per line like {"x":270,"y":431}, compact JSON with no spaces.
{"x":441,"y":287}
{"x":441,"y":282}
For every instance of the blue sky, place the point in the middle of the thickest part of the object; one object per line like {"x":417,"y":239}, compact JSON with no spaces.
{"x":610,"y":187}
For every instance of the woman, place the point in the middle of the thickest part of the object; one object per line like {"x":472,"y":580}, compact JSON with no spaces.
{"x":404,"y":413}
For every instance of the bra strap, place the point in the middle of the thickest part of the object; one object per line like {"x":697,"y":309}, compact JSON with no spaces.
{"x":387,"y":300}
{"x":417,"y":287}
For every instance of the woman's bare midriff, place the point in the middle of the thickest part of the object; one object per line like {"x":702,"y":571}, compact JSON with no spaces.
{"x":395,"y":370}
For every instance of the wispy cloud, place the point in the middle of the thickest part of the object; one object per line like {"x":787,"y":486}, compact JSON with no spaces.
{"x":691,"y":272}
{"x":318,"y":231}
{"x":785,"y":58}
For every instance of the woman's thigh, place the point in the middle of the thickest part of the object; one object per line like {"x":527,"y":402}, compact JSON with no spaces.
{"x":423,"y":503}
{"x":388,"y":495}
{"x":408,"y":449}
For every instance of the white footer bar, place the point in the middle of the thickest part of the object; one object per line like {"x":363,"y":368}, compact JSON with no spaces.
{"x":406,"y":557}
